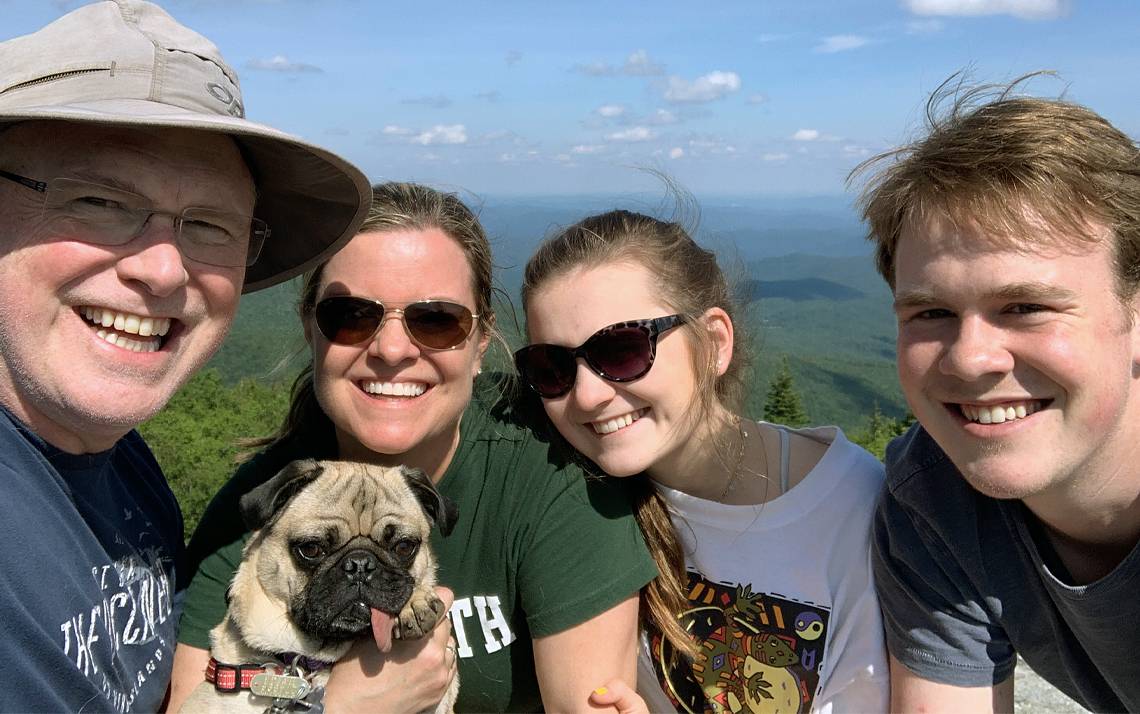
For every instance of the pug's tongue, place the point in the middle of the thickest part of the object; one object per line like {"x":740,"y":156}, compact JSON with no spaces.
{"x":382,"y":629}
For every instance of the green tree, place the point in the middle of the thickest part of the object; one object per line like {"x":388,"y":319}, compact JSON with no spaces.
{"x":879,"y":431}
{"x":196,"y":437}
{"x":783,"y":404}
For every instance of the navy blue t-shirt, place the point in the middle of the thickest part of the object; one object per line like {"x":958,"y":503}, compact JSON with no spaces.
{"x":89,"y":549}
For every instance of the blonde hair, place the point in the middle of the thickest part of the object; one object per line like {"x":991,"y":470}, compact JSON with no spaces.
{"x":691,"y":282}
{"x":1003,"y":163}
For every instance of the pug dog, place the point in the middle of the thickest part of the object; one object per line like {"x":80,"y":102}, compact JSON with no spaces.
{"x":339,"y":550}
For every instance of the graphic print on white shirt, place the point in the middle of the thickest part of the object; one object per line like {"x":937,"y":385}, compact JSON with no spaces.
{"x":757,"y":652}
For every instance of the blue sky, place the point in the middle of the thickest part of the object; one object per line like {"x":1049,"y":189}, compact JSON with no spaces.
{"x":772,"y":97}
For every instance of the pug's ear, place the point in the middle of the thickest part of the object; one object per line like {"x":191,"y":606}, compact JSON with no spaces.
{"x":259,"y":505}
{"x":440,"y":509}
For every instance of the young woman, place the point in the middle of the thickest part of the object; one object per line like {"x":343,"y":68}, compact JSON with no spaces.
{"x":636,"y":357}
{"x":544,"y":565}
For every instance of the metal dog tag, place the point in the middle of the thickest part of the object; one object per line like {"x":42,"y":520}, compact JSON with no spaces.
{"x":279,"y":686}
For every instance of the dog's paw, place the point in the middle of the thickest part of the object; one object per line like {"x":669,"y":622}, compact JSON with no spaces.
{"x":420,"y":616}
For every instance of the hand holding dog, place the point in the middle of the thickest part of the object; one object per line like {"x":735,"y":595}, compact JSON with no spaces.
{"x":412,"y":677}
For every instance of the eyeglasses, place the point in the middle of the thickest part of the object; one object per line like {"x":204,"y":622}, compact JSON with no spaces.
{"x":621,"y":352}
{"x":434,"y":324}
{"x":102,"y":215}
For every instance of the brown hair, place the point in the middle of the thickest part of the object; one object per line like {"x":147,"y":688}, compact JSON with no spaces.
{"x":691,"y":282}
{"x":1004,"y":164}
{"x":395,"y":206}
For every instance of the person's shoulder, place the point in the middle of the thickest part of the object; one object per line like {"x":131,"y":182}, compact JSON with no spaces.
{"x":922,"y":480}
{"x":911,"y":455}
{"x":508,"y":416}
{"x":17,"y":445}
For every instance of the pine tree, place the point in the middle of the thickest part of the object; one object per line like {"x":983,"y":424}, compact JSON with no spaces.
{"x":783,"y":404}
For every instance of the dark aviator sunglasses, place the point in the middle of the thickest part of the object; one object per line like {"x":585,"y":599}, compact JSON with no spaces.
{"x":621,"y":352}
{"x":432,"y":324}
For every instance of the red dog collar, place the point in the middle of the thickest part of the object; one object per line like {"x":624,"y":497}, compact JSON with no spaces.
{"x":235,"y":677}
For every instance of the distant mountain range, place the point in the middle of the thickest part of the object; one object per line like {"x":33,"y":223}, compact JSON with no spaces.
{"x":801,"y":266}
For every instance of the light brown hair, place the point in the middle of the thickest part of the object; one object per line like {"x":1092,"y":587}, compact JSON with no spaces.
{"x":691,"y":282}
{"x":1006,"y":164}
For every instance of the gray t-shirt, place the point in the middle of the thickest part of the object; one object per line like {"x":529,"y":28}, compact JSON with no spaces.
{"x":966,"y":583}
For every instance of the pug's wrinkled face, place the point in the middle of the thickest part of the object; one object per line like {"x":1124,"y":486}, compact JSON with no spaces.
{"x":338,"y":548}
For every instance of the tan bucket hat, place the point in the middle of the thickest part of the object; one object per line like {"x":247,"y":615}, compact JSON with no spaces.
{"x":129,"y":63}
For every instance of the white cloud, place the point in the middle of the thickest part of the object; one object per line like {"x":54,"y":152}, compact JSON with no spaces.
{"x":711,"y":86}
{"x":1024,"y":9}
{"x":806,"y":135}
{"x":499,"y":136}
{"x":709,"y":145}
{"x":758,"y":98}
{"x":394,"y":130}
{"x":442,"y":134}
{"x":855,"y":150}
{"x":662,"y":116}
{"x":513,"y":57}
{"x":637,"y":133}
{"x":676,"y":152}
{"x":775,"y":157}
{"x":841,"y":43}
{"x":637,"y":64}
{"x":281,"y":63}
{"x":491,"y":96}
{"x":586,"y":149}
{"x":611,"y":110}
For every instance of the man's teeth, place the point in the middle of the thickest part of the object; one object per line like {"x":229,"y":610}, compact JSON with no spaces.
{"x":128,"y":344}
{"x":1001,"y":413}
{"x":126,"y":322}
{"x":395,"y":389}
{"x":611,"y":425}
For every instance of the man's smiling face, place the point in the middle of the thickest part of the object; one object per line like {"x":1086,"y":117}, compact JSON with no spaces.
{"x":76,"y":362}
{"x":1020,"y":362}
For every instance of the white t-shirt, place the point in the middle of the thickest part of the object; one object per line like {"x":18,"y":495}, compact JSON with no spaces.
{"x":782,"y":597}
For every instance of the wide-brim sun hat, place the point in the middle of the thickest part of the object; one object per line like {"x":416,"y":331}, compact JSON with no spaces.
{"x":128,"y":63}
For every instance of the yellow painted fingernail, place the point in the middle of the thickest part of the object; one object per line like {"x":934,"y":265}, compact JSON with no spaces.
{"x":601,"y":690}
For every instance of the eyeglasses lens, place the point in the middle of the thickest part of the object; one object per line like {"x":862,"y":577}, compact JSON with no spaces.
{"x":438,"y":325}
{"x":622,"y":353}
{"x":347,"y":320}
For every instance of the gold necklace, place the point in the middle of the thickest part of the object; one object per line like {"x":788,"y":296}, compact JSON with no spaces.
{"x":735,"y":475}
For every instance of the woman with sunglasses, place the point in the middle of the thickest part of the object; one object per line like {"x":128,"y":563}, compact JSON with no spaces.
{"x":637,"y":359}
{"x":545,"y":566}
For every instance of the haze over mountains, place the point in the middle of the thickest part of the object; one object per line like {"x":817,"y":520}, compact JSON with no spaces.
{"x":801,"y":265}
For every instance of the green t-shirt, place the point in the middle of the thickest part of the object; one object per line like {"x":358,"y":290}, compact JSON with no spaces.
{"x":538,"y":548}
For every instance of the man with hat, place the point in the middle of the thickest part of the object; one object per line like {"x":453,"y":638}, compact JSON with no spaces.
{"x":136,"y":204}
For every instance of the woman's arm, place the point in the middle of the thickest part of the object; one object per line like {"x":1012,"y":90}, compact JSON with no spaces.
{"x":573,"y":663}
{"x":189,"y":670}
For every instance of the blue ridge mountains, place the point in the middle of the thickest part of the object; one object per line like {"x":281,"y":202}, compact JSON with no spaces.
{"x":801,"y":268}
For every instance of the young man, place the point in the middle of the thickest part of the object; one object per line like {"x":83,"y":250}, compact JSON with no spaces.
{"x":1010,"y":236}
{"x":136,"y":204}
